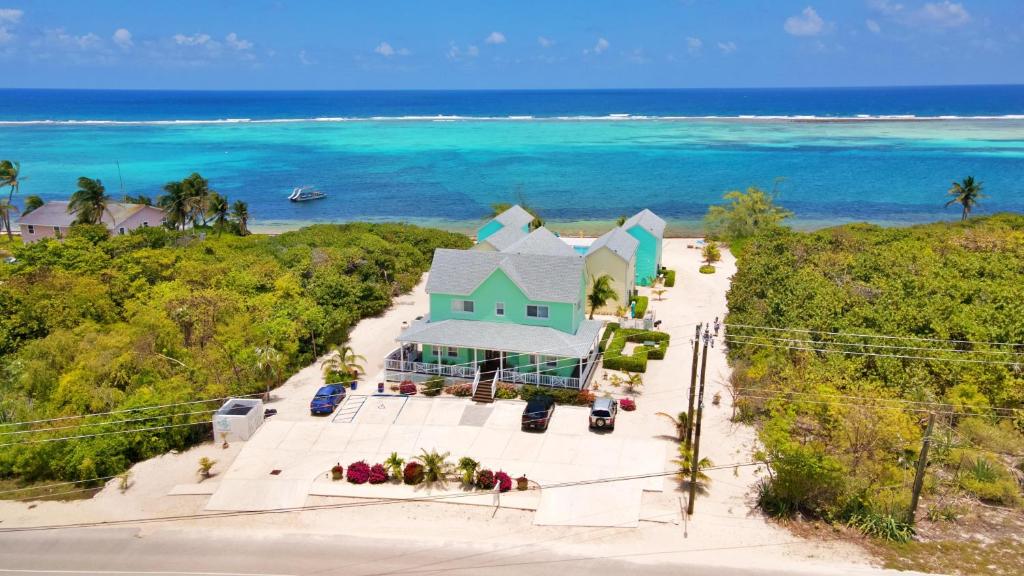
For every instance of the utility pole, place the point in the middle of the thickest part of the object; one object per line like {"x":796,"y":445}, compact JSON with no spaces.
{"x":922,"y":463}
{"x":693,"y":387}
{"x":695,"y":452}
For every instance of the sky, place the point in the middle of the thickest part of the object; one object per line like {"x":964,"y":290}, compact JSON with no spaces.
{"x":460,"y":44}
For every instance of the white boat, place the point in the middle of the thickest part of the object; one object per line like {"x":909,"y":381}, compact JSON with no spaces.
{"x":303,"y":193}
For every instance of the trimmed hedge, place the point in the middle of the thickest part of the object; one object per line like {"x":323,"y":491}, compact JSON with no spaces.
{"x":670,"y":277}
{"x":641,"y":306}
{"x":707,"y":269}
{"x":561,"y":395}
{"x":609,"y":329}
{"x":637,"y":362}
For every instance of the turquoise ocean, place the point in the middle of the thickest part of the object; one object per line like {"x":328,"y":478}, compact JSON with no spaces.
{"x":580,"y":157}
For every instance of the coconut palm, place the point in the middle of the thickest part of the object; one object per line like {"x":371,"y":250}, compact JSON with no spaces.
{"x":435,"y":466}
{"x":6,"y":209}
{"x":268,"y":360}
{"x":343,"y":360}
{"x":217,"y":208}
{"x":684,"y":462}
{"x":175,"y":203}
{"x":965,"y":193}
{"x":199,"y":194}
{"x":679,"y":422}
{"x":137,"y":199}
{"x":394,"y":464}
{"x":601,"y":291}
{"x":31,"y":203}
{"x":240,"y":212}
{"x":10,"y":175}
{"x":89,"y":202}
{"x":711,"y":253}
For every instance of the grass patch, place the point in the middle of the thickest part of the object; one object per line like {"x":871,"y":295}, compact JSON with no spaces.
{"x":707,"y":269}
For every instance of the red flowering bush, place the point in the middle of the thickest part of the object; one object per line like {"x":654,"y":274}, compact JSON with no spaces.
{"x":407,"y":387}
{"x":358,"y":472}
{"x":378,"y":475}
{"x":485,"y":479}
{"x":413,"y":473}
{"x":461,"y":389}
{"x":504,"y":481}
{"x":627,"y":404}
{"x":584,"y":398}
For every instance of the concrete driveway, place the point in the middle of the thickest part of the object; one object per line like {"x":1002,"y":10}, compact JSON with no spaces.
{"x":287,"y":461}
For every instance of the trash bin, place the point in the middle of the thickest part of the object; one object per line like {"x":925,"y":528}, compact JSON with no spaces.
{"x":380,"y":387}
{"x":355,"y":385}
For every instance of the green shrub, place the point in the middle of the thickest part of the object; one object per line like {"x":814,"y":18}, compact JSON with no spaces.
{"x":506,"y":391}
{"x":641,"y":306}
{"x":804,"y":480}
{"x":434,"y":386}
{"x":637,"y":362}
{"x":568,"y":396}
{"x":707,"y":269}
{"x":892,"y":527}
{"x":609,"y":329}
{"x":670,"y":277}
{"x":988,"y":480}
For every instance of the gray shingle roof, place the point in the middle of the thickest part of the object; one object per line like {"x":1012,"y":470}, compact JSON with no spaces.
{"x":648,"y":221}
{"x":515,"y":216}
{"x":541,"y":277}
{"x":505,"y":237}
{"x":618,"y":241}
{"x":505,"y":336}
{"x":541,"y":241}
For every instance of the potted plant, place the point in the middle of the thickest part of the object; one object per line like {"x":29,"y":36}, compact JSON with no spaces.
{"x":205,"y":465}
{"x":522,"y":483}
{"x":394,"y":465}
{"x":337,"y":472}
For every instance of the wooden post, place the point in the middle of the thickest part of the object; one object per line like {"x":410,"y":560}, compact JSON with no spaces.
{"x":695,"y":453}
{"x":693,"y":388}
{"x":922,"y":463}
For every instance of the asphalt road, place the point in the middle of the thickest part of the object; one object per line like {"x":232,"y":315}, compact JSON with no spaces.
{"x":219,"y":552}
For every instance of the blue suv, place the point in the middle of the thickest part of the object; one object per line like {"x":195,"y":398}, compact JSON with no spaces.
{"x":327,"y":399}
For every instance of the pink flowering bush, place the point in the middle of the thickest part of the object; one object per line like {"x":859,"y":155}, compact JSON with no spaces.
{"x":461,"y":389}
{"x":358,"y":472}
{"x":378,"y":474}
{"x":627,"y":404}
{"x":504,"y":481}
{"x":407,"y":387}
{"x":485,"y":479}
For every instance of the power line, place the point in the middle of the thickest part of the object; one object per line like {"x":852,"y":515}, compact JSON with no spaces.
{"x":868,"y":398}
{"x":124,"y":411}
{"x":884,"y":336}
{"x":44,"y":440}
{"x":875,"y":354}
{"x":27,"y":488}
{"x":91,"y":424}
{"x":887,"y":346}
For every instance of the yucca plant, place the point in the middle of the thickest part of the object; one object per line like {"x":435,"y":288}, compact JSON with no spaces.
{"x":435,"y":466}
{"x":468,"y":467}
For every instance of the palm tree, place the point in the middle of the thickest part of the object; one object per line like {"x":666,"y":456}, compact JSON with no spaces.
{"x":965,"y":193}
{"x":468,"y":467}
{"x":711,"y":252}
{"x":137,"y":199}
{"x":199,"y":194}
{"x":435,"y":466}
{"x":10,"y":175}
{"x":601,"y":291}
{"x":343,"y":360}
{"x":268,"y":359}
{"x":620,"y":220}
{"x":6,"y":208}
{"x":31,"y":203}
{"x":679,"y":422}
{"x":89,"y":202}
{"x":633,"y":381}
{"x":394,"y":464}
{"x":686,"y":470}
{"x":218,"y":209}
{"x":175,"y":203}
{"x":240,"y":212}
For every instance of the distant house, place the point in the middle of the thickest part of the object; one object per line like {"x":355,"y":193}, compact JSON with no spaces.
{"x":614,"y":254}
{"x":52,"y":220}
{"x":648,"y":229}
{"x":504,"y":229}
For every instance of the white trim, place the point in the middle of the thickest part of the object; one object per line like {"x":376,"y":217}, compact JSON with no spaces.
{"x":499,"y":306}
{"x":460,"y":306}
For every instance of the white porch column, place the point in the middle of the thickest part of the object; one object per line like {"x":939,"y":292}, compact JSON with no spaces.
{"x":475,"y":368}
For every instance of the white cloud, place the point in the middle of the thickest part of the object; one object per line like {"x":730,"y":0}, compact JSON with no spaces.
{"x":944,"y":14}
{"x":495,"y":38}
{"x":11,"y":15}
{"x":728,"y":47}
{"x":473,"y":51}
{"x":58,"y":37}
{"x":237,"y":43}
{"x":600,"y":47}
{"x":873,"y":26}
{"x":194,"y":40}
{"x":694,"y":45}
{"x":807,"y":23}
{"x":384,"y":49}
{"x":545,"y":42}
{"x":304,"y":58}
{"x":886,"y":7}
{"x":123,"y":38}
{"x":456,"y":53}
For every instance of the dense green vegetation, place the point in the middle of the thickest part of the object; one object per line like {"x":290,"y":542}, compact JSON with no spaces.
{"x":98,"y":323}
{"x":840,"y":436}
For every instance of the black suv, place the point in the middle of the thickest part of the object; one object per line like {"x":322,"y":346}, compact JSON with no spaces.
{"x":537,"y":414}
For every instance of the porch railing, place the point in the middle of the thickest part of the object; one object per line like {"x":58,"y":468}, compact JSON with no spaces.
{"x":536,"y":379}
{"x":476,"y":382}
{"x":430,"y":368}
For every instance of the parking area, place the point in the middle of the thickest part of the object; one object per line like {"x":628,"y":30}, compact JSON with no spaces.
{"x":287,"y":461}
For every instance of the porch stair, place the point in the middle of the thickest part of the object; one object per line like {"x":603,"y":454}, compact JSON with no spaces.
{"x":349,"y":409}
{"x":484,"y":389}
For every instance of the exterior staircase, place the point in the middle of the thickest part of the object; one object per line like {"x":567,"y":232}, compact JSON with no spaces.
{"x":484,"y":391}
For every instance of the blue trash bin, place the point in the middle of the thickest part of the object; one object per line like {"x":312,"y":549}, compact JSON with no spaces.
{"x":355,"y":384}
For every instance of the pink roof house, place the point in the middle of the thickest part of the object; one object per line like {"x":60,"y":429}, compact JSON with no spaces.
{"x":52,"y":220}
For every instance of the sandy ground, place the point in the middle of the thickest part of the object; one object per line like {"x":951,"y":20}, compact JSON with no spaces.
{"x":726,"y":528}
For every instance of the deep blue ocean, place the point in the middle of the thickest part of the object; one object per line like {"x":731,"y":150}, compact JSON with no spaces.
{"x":582,"y":158}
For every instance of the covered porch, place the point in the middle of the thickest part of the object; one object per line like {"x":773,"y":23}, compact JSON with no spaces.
{"x":516,"y":354}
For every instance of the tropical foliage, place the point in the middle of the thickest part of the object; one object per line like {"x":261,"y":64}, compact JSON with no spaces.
{"x":601,"y":291}
{"x":743,"y":215}
{"x":89,"y":202}
{"x":97,"y":323}
{"x":965,"y":193}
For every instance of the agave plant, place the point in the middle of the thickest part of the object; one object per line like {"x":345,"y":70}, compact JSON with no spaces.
{"x":468,"y":467}
{"x":395,"y":464}
{"x":435,"y":466}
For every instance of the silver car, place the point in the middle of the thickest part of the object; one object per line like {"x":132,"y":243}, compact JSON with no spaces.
{"x":603,"y":412}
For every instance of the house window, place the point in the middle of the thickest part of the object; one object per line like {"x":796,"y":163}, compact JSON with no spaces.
{"x":56,"y":231}
{"x":462,"y":305}
{"x":533,"y":311}
{"x":145,"y":224}
{"x":120,"y":230}
{"x":550,"y":361}
{"x":31,"y":229}
{"x":533,"y":360}
{"x":499,"y":308}
{"x":453,"y":352}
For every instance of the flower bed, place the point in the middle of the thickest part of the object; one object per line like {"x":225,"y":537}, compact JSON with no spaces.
{"x":358,"y":472}
{"x":462,"y":389}
{"x":408,"y":387}
{"x":627,"y":404}
{"x":503,"y":480}
{"x":485,"y":479}
{"x":378,"y":474}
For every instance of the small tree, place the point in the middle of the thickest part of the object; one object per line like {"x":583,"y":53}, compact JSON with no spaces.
{"x":601,"y":291}
{"x":395,"y":465}
{"x":343,"y":360}
{"x":468,"y":467}
{"x":269,"y":360}
{"x":124,"y":481}
{"x":743,"y":215}
{"x":965,"y":193}
{"x":684,"y":462}
{"x":435,"y":466}
{"x":634,"y":381}
{"x":205,"y":465}
{"x":711,"y":253}
{"x":678,"y":421}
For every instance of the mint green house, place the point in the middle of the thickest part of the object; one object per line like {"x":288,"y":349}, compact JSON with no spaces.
{"x":504,"y":229}
{"x":648,"y":229}
{"x":515,"y":316}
